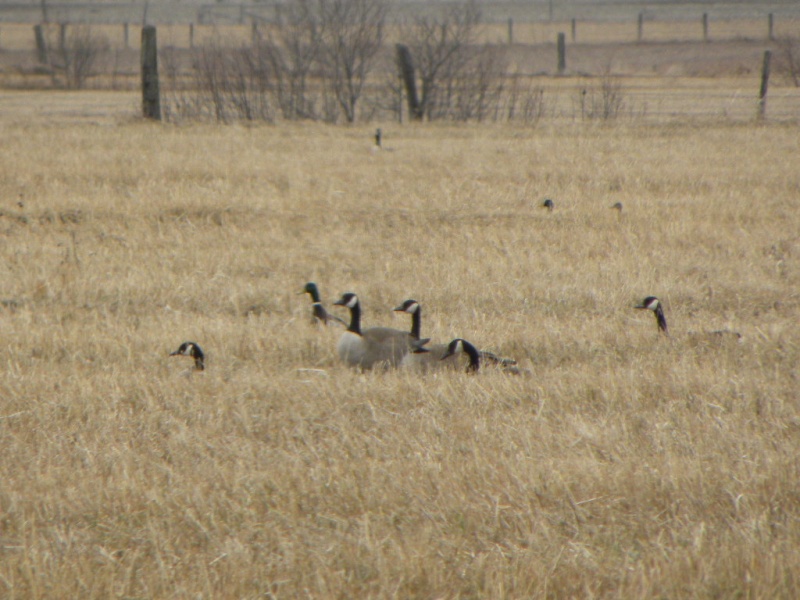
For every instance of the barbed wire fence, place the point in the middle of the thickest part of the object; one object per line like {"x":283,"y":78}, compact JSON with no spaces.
{"x":676,"y":92}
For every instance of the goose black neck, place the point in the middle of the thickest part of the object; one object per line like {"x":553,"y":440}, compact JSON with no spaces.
{"x":661,"y":319}
{"x":416,"y":323}
{"x":199,"y":358}
{"x":474,"y":357}
{"x":314,"y":294}
{"x":355,"y":319}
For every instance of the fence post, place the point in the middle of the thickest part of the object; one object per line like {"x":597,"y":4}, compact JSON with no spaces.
{"x":574,"y":26}
{"x":640,"y":27}
{"x":151,"y":97}
{"x":762,"y":93}
{"x":562,"y":53}
{"x":191,"y":36}
{"x":705,"y":27}
{"x":510,"y":30}
{"x":770,"y":27}
{"x":62,"y":36}
{"x":254,"y":32}
{"x":125,"y":35}
{"x":41,"y":44}
{"x":407,"y":74}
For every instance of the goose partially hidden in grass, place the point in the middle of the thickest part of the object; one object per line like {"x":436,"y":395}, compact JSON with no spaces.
{"x":432,"y":357}
{"x":375,"y":346}
{"x":319,"y":314}
{"x":193,"y":350}
{"x":654,"y":304}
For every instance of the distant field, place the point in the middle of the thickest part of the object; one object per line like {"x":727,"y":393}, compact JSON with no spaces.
{"x":625,"y":464}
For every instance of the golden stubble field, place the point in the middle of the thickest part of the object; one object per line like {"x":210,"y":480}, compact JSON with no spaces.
{"x":626,"y":465}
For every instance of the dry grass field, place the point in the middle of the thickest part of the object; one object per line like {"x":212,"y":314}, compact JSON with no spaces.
{"x":625,"y":465}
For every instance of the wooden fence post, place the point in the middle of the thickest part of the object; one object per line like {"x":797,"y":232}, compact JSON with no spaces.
{"x":762,"y":93}
{"x":62,"y":36}
{"x":151,"y":97}
{"x":254,"y":33}
{"x":41,"y":44}
{"x":510,"y":30}
{"x":640,"y":27}
{"x":125,"y":35}
{"x":191,"y":36}
{"x":407,"y":74}
{"x":562,"y":53}
{"x":705,"y":27}
{"x":574,"y":26}
{"x":770,"y":27}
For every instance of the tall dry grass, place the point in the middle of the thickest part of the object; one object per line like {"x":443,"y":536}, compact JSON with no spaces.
{"x":627,"y":465}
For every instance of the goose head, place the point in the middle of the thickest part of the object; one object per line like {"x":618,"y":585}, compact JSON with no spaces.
{"x":412,"y":308}
{"x":462,"y":345}
{"x":311,"y":289}
{"x":654,"y":304}
{"x":193,"y":350}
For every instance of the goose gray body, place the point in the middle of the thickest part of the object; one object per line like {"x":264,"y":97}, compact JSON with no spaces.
{"x":375,"y":346}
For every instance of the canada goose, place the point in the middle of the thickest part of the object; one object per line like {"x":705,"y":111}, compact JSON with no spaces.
{"x":617,"y":206}
{"x":376,"y":345}
{"x":654,"y":304}
{"x":431,"y":360}
{"x":193,"y":350}
{"x":459,"y":345}
{"x":320,"y":315}
{"x":548,"y":204}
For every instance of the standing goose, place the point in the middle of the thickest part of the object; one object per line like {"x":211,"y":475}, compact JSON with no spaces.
{"x":320,"y":315}
{"x":374,"y":346}
{"x":193,"y":350}
{"x":432,"y":358}
{"x":654,"y":304}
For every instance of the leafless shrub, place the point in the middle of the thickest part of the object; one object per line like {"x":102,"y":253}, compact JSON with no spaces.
{"x":604,"y":102}
{"x":525,"y":105}
{"x":353,"y":35}
{"x":476,"y":92}
{"x":788,"y":63}
{"x":77,"y":54}
{"x":226,"y":84}
{"x":292,"y":50}
{"x":438,"y":47}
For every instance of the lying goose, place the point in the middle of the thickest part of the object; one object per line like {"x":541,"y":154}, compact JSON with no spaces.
{"x":193,"y":350}
{"x":374,"y":346}
{"x":459,"y":346}
{"x":548,"y":204}
{"x":320,"y":315}
{"x":654,"y":304}
{"x":431,"y":359}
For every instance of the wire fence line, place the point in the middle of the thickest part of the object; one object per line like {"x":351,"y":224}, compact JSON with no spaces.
{"x":657,"y":97}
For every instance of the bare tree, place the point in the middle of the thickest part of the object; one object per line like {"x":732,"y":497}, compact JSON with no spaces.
{"x":353,"y":34}
{"x":77,"y":54}
{"x":292,"y":50}
{"x":440,"y":47}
